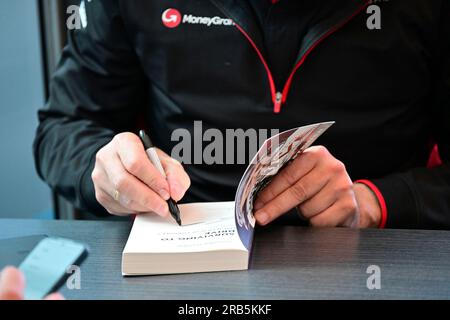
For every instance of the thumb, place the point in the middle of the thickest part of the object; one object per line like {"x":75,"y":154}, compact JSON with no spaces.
{"x":12,"y":284}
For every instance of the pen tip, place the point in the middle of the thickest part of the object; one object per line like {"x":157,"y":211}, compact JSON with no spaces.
{"x":175,"y":211}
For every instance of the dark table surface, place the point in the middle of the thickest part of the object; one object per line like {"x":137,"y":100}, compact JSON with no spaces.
{"x":287,"y":263}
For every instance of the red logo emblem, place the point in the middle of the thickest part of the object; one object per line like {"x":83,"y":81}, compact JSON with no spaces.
{"x":171,"y":18}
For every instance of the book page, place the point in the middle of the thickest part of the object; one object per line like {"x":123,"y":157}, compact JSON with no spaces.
{"x":206,"y":227}
{"x":273,"y":155}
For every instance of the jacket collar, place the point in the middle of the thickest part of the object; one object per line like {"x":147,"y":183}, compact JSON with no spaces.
{"x":343,"y":12}
{"x":241,"y":13}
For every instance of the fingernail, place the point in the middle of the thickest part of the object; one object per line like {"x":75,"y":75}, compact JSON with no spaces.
{"x":262,"y":217}
{"x":258,"y":205}
{"x":164,"y":194}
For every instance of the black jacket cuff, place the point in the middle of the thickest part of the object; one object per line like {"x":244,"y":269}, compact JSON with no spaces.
{"x":86,"y":191}
{"x":402,"y":209}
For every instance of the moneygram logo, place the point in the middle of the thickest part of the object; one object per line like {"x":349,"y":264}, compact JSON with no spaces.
{"x":172,"y":18}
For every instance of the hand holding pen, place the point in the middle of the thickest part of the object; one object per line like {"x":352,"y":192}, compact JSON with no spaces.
{"x":154,"y":158}
{"x":127,"y":182}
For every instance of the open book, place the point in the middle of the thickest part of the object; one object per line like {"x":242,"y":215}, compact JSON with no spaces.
{"x":215,"y":236}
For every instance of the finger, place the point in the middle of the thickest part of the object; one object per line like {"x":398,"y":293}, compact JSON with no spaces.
{"x":103,"y":196}
{"x":135,"y":160}
{"x":12,"y":284}
{"x":55,"y":296}
{"x":323,"y":200}
{"x":287,"y":177}
{"x":301,"y":191}
{"x":134,"y":195}
{"x":110,"y":204}
{"x":342,"y":213}
{"x":178,"y":179}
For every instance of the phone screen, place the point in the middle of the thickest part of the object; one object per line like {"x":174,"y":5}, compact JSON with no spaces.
{"x":46,"y":267}
{"x":15,"y":250}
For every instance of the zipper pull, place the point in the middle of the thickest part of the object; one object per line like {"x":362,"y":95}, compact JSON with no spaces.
{"x":278,"y":102}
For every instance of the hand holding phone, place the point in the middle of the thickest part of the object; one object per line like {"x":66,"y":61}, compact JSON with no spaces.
{"x":45,"y":268}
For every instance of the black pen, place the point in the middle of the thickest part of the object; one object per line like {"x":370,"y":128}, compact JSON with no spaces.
{"x":153,"y":156}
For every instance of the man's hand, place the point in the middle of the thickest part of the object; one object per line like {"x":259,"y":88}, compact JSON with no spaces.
{"x":319,"y":186}
{"x":126,"y":181}
{"x":12,"y":286}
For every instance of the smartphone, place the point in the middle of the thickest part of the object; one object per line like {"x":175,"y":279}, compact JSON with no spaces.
{"x":14,"y":250}
{"x":46,"y":267}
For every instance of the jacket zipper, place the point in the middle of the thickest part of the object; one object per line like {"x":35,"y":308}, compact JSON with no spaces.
{"x":280,"y":97}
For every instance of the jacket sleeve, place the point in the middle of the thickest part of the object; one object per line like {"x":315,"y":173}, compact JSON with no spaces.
{"x":93,"y":95}
{"x":420,"y":198}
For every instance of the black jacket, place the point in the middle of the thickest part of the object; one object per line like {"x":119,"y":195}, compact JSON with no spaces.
{"x":388,"y":91}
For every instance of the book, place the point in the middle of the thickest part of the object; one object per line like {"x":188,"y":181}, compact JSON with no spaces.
{"x":215,"y":236}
